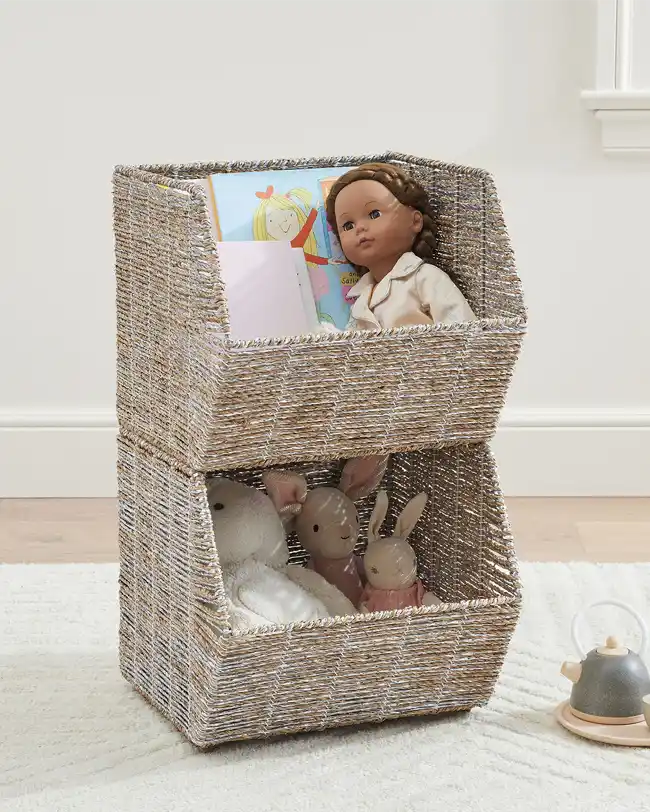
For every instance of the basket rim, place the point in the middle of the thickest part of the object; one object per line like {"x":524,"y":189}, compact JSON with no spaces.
{"x":516,"y":325}
{"x":340,"y":621}
{"x":155,"y":173}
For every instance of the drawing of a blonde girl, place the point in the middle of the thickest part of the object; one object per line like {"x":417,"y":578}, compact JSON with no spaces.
{"x":288,"y":217}
{"x":291,"y":217}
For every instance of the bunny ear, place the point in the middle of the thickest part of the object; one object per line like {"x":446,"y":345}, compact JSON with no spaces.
{"x":409,"y":517}
{"x":361,"y":475}
{"x":377,"y":517}
{"x":288,"y":492}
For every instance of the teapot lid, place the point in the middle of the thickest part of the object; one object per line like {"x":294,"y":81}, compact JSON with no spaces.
{"x":612,"y":648}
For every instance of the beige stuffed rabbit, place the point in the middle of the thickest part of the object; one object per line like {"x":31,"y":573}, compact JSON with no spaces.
{"x":325,"y":519}
{"x":391,"y":563}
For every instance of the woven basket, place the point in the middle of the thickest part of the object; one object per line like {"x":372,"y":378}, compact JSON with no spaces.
{"x":192,"y":402}
{"x":178,"y":650}
{"x":206,"y":401}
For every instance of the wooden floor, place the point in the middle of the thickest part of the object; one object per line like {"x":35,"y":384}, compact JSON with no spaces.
{"x":85,"y":530}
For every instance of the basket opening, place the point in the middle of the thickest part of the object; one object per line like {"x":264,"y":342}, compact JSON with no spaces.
{"x":470,"y":240}
{"x":461,"y":540}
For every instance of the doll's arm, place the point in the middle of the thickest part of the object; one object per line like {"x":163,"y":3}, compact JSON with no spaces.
{"x":438,"y":294}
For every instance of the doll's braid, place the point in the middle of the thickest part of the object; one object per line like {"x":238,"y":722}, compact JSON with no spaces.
{"x":404,"y":188}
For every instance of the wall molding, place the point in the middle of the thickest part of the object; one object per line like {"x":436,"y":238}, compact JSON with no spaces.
{"x":539,"y":451}
{"x":574,"y":452}
{"x":85,"y":419}
{"x":575,"y":418}
{"x":58,"y":454}
{"x":540,"y":417}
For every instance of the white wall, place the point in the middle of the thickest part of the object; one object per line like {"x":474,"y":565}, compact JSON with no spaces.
{"x":487,"y":83}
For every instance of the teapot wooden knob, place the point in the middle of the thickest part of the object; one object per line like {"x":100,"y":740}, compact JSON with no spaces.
{"x":613,"y":648}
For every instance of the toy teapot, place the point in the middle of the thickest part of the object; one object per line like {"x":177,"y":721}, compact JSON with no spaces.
{"x":611,"y":680}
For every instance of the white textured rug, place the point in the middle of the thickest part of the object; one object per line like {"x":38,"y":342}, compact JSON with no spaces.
{"x":74,"y":736}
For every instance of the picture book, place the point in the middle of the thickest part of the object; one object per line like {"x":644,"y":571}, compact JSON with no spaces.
{"x":288,"y":206}
{"x":268,"y":289}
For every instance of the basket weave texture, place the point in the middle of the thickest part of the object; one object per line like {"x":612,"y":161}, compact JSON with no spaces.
{"x":192,"y":403}
{"x":187,"y":389}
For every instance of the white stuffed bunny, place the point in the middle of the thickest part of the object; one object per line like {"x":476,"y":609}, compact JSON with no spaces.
{"x":260,"y":585}
{"x":391,"y":563}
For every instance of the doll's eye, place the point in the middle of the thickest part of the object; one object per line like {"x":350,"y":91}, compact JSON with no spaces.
{"x":374,"y":214}
{"x":218,"y":506}
{"x":347,"y":226}
{"x":315,"y":528}
{"x":375,"y":570}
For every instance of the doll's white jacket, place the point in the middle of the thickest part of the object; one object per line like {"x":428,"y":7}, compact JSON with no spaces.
{"x":414,"y":292}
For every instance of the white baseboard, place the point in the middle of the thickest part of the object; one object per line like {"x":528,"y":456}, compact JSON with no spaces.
{"x":58,"y":454}
{"x":574,"y":461}
{"x":540,"y":452}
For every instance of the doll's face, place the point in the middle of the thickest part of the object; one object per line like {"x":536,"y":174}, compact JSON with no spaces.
{"x":374,"y":227}
{"x":282,"y":224}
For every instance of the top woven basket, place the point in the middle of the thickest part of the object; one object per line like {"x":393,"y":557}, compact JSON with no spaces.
{"x":205,"y":401}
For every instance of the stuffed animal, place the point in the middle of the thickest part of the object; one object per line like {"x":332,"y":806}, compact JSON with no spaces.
{"x":391,"y":563}
{"x":260,"y":586}
{"x":325,"y":519}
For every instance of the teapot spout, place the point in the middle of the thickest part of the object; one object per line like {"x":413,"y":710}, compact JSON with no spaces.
{"x":571,"y":670}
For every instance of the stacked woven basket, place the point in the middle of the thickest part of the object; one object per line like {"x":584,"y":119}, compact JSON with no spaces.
{"x":192,"y":402}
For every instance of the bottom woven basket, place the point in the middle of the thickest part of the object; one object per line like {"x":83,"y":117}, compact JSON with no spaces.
{"x":178,"y":650}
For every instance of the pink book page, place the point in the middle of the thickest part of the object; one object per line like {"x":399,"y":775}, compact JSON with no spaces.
{"x":263,"y":290}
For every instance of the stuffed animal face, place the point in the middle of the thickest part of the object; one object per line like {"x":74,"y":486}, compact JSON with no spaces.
{"x":325,"y":519}
{"x":328,"y":524}
{"x":390,"y":564}
{"x":246,"y":524}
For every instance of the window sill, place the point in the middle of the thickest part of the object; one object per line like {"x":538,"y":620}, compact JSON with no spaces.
{"x":624,"y":116}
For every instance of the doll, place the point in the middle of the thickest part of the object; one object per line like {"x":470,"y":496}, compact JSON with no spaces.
{"x":391,"y":563}
{"x":384,"y":224}
{"x":325,"y":519}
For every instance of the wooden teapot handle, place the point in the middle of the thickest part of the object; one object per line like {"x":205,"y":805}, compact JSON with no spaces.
{"x":580,"y":615}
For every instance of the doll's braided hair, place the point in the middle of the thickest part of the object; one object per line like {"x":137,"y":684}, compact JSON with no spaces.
{"x":404,"y":188}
